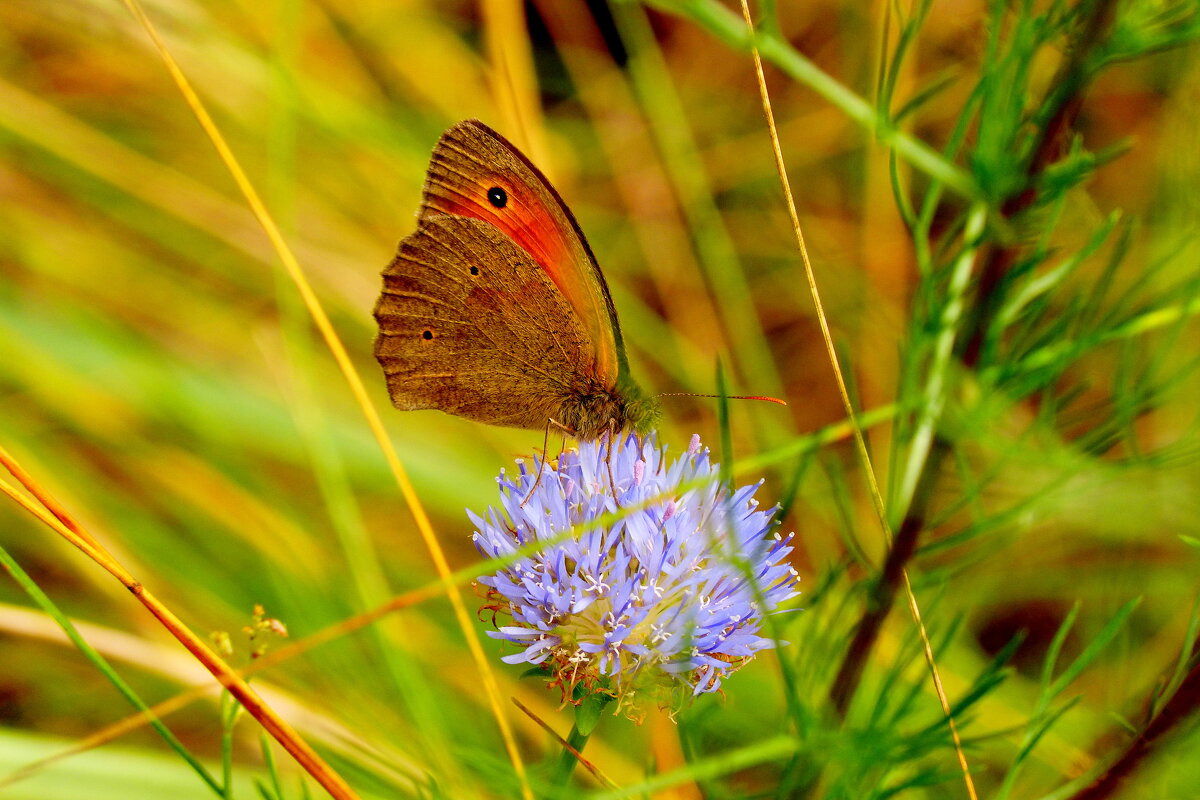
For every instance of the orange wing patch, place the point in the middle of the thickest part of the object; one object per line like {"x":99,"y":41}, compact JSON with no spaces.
{"x":476,"y":173}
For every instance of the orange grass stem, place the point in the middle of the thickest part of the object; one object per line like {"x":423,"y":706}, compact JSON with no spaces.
{"x":725,"y":396}
{"x":283,"y":733}
{"x":588,"y":765}
{"x":350,"y":374}
{"x":260,"y":664}
{"x":46,"y":499}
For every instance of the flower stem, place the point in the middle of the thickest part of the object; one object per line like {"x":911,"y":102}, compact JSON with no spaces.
{"x":567,"y":760}
{"x":587,"y":716}
{"x":1053,"y":136}
{"x":1181,"y":706}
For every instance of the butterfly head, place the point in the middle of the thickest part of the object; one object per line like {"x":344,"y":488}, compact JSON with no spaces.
{"x":640,"y":414}
{"x":623,"y":408}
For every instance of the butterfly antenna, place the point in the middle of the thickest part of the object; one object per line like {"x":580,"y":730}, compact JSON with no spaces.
{"x":725,"y":396}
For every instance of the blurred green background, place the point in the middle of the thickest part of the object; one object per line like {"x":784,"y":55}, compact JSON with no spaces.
{"x":159,"y":375}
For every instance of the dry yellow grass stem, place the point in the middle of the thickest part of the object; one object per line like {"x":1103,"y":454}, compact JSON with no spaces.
{"x":338,"y":350}
{"x":859,"y":440}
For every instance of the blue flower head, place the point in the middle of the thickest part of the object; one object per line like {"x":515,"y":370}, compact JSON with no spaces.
{"x":664,"y":601}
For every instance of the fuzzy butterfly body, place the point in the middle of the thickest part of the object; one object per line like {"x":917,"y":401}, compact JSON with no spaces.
{"x":494,"y":309}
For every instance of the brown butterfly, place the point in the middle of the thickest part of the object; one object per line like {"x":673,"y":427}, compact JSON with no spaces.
{"x":495,"y":308}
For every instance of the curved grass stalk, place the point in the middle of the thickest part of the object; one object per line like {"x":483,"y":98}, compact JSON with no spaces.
{"x":723,"y":23}
{"x":147,"y":714}
{"x":962,"y":273}
{"x":65,"y":526}
{"x":293,"y":649}
{"x":716,"y":254}
{"x":353,"y":379}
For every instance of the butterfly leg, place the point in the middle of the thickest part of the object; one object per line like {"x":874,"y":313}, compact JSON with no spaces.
{"x":612,"y":433}
{"x":550,"y":422}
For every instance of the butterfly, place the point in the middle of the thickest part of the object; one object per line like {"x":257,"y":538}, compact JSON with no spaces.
{"x":495,"y":309}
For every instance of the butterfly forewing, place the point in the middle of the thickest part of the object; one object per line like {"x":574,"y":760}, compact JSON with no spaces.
{"x":470,"y":325}
{"x":475,"y":172}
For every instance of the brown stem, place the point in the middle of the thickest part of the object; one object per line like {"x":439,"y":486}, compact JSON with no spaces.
{"x":1053,"y":138}
{"x":1182,"y":705}
{"x":883,"y":593}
